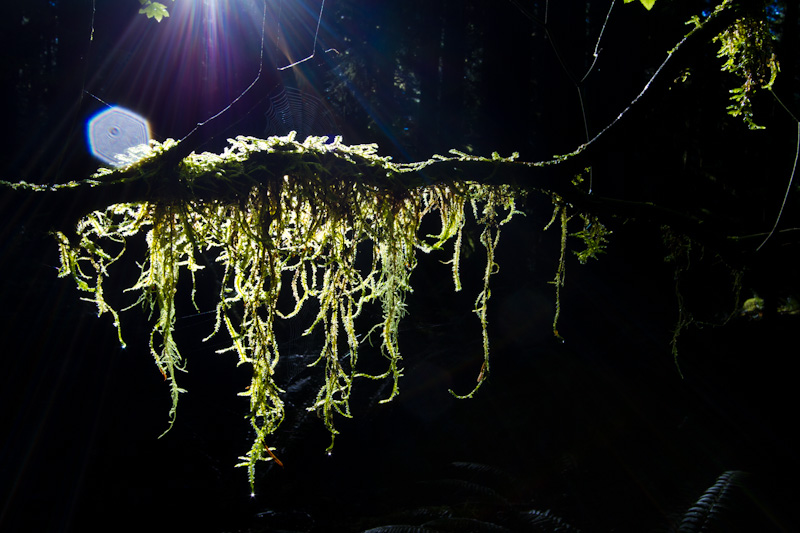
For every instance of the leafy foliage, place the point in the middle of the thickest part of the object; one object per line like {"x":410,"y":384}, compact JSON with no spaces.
{"x":716,"y":510}
{"x":154,"y":10}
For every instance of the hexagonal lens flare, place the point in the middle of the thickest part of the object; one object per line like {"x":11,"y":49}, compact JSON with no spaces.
{"x":113,"y":132}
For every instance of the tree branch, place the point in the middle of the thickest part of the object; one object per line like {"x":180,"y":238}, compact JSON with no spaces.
{"x":163,"y":176}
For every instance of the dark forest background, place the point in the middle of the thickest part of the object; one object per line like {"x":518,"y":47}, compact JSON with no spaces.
{"x":602,"y":429}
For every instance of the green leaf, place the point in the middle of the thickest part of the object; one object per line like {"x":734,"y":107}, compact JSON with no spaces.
{"x":154,"y":10}
{"x":648,"y":4}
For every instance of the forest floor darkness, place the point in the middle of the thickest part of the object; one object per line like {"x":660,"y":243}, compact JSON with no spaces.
{"x":600,"y":430}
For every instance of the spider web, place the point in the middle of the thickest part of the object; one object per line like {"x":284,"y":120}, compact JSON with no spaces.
{"x":293,"y":104}
{"x":291,"y":109}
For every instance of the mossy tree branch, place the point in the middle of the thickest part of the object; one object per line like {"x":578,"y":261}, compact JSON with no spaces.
{"x":278,"y":214}
{"x":151,"y":181}
{"x":158,"y":178}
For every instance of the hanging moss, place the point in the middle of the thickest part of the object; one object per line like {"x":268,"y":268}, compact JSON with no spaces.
{"x":747,"y":46}
{"x":301,"y":232}
{"x":335,"y":229}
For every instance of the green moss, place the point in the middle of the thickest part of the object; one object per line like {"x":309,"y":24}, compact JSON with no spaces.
{"x":747,"y":48}
{"x":302,"y":232}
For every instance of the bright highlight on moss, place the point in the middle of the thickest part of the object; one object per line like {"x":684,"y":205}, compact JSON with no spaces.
{"x":304,"y":232}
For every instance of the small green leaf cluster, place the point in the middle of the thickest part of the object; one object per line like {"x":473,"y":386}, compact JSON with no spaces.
{"x":154,"y":10}
{"x":648,"y":4}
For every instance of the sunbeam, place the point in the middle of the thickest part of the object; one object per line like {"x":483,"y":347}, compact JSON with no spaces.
{"x":184,"y":70}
